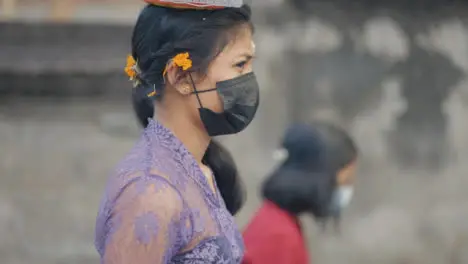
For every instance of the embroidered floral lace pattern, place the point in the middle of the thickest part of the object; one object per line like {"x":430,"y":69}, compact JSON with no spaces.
{"x":158,"y":207}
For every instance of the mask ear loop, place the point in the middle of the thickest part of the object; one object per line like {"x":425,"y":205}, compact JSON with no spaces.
{"x":196,"y":92}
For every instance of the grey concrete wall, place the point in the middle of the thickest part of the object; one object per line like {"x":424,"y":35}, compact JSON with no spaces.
{"x":362,"y":68}
{"x":72,"y":60}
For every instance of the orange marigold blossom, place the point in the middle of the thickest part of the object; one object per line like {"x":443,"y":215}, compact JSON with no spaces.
{"x":181,"y":60}
{"x":130,"y":68}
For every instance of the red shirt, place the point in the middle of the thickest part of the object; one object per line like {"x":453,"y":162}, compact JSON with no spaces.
{"x":274,"y":237}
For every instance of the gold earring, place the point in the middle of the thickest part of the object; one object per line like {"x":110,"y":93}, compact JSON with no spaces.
{"x":186,"y":89}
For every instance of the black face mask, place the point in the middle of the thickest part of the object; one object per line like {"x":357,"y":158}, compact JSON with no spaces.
{"x":240,"y":97}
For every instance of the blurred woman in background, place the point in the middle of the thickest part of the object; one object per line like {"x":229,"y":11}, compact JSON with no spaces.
{"x":316,"y":176}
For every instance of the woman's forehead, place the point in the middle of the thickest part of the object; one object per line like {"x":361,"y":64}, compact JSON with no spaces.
{"x":241,"y":45}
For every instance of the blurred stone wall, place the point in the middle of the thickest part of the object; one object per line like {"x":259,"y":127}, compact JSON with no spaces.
{"x":394,"y":78}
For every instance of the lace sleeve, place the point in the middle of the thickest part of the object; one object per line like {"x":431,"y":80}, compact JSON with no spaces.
{"x":148,"y":225}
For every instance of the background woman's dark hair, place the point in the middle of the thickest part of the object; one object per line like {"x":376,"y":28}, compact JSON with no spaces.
{"x":159,"y":35}
{"x":340,"y":147}
{"x":305,"y":181}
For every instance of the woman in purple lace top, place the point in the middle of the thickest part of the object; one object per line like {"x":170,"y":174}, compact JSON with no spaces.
{"x":194,"y":80}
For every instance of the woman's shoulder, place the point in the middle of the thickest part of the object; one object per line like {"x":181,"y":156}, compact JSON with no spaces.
{"x":140,"y":186}
{"x":150,"y":163}
{"x":271,"y":223}
{"x":275,"y":215}
{"x":146,"y":170}
{"x":272,"y":237}
{"x":141,"y":170}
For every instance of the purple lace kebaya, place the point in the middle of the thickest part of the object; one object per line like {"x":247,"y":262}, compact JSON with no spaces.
{"x":158,"y":207}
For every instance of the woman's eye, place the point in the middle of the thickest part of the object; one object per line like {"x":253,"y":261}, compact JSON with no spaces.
{"x":241,"y":64}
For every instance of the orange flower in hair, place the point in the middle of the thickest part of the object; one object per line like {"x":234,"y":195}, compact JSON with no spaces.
{"x":181,"y":60}
{"x":152,"y":93}
{"x":130,"y":68}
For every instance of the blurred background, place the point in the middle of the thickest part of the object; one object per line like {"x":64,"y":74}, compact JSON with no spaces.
{"x":392,"y":72}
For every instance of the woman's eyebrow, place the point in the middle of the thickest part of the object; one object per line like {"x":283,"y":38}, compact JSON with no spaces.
{"x":247,"y":56}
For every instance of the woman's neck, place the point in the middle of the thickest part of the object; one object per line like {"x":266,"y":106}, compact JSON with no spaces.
{"x":195,"y":139}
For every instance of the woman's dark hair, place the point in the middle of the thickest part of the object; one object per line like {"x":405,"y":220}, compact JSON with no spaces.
{"x":162,"y":33}
{"x":306,"y":180}
{"x":229,"y":182}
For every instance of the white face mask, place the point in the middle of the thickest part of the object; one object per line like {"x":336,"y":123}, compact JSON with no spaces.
{"x":342,"y":197}
{"x":345,"y":195}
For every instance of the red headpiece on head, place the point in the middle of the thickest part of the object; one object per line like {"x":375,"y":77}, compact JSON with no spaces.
{"x":197,"y":4}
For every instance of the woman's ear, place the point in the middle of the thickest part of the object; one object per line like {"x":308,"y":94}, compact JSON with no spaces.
{"x":346,"y":175}
{"x":175,"y":77}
